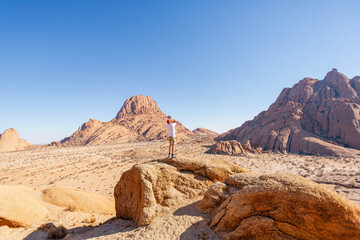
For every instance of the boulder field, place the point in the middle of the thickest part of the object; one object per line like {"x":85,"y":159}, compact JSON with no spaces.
{"x":241,"y":204}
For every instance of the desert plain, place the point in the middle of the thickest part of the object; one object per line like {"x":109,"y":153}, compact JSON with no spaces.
{"x":98,"y":169}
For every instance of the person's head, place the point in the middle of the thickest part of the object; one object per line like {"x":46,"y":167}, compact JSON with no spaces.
{"x":168,"y":121}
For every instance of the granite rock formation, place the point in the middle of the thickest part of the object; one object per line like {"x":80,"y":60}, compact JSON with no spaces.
{"x":204,"y":131}
{"x":312,"y":117}
{"x":233,"y":147}
{"x":78,"y":200}
{"x":18,"y":208}
{"x":10,"y":141}
{"x":148,"y":189}
{"x":139,"y":119}
{"x":279,"y":206}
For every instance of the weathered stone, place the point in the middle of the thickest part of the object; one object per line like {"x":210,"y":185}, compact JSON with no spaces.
{"x":79,"y":200}
{"x":10,"y":141}
{"x":215,"y":195}
{"x":18,"y":208}
{"x":233,"y":147}
{"x":205,"y":132}
{"x":282,"y":206}
{"x":308,"y":118}
{"x":214,"y":169}
{"x":147,"y":189}
{"x":139,"y":119}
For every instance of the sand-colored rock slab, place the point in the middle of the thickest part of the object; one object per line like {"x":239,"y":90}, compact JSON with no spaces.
{"x":312,"y":117}
{"x":10,"y":141}
{"x":281,"y":206}
{"x":147,"y":189}
{"x":79,"y":200}
{"x":18,"y":208}
{"x":214,"y":169}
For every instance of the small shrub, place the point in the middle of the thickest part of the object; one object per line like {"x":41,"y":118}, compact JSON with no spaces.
{"x":71,"y":208}
{"x":57,"y":233}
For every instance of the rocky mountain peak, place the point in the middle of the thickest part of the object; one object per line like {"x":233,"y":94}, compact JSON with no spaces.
{"x":139,"y":104}
{"x":10,"y":141}
{"x":91,"y":123}
{"x":312,"y":117}
{"x":10,"y":132}
{"x":341,"y":85}
{"x":334,"y":76}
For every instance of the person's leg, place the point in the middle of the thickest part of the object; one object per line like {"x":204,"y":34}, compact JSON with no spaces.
{"x":173,"y":147}
{"x":169,"y":147}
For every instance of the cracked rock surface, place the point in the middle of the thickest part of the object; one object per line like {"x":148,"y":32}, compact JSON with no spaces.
{"x":313,"y":117}
{"x":148,"y":189}
{"x":279,"y":206}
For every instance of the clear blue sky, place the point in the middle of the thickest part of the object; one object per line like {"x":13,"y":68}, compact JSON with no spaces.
{"x":212,"y":64}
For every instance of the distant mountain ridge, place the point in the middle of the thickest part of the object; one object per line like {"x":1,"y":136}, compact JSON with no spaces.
{"x":139,"y":119}
{"x":312,"y":117}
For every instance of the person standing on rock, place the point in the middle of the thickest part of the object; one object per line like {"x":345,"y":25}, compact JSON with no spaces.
{"x":171,"y":136}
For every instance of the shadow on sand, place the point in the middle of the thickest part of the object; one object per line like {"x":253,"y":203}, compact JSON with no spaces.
{"x":111,"y":226}
{"x":198,"y":230}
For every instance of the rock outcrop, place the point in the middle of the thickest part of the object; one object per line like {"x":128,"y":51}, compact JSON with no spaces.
{"x":18,"y":208}
{"x":10,"y":141}
{"x":312,"y":117}
{"x":233,"y":148}
{"x":139,"y":105}
{"x":78,"y":200}
{"x":139,"y":119}
{"x":148,"y":189}
{"x":279,"y":206}
{"x":205,"y":132}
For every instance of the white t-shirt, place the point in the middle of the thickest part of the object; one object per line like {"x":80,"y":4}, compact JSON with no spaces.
{"x":171,"y":129}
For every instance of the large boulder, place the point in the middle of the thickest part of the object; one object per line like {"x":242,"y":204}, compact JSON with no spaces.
{"x":233,"y":147}
{"x":312,"y":117}
{"x":18,"y":208}
{"x":279,"y":206}
{"x":79,"y":200}
{"x":147,"y":189}
{"x":10,"y":141}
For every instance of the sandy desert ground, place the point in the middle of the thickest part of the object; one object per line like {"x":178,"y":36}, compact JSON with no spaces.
{"x":98,"y":169}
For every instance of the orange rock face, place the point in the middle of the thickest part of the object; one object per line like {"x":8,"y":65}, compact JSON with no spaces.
{"x":139,"y":119}
{"x":139,"y":105}
{"x":148,"y":189}
{"x":279,"y":206}
{"x":312,"y":117}
{"x":10,"y":141}
{"x":233,"y":147}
